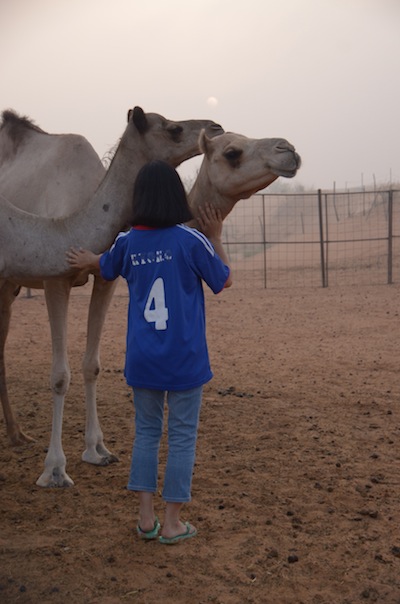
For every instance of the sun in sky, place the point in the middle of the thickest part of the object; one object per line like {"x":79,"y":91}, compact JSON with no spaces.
{"x":212,"y":101}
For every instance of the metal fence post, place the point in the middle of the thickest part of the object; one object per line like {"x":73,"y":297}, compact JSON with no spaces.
{"x":390,"y":238}
{"x":264,"y":242}
{"x":326,"y":247}
{"x":321,"y":239}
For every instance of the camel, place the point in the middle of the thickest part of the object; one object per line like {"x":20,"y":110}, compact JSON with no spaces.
{"x":66,"y":177}
{"x":46,"y":174}
{"x":234,"y":167}
{"x":251,"y":164}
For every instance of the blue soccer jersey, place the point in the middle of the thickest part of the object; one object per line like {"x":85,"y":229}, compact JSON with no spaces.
{"x":166,"y":346}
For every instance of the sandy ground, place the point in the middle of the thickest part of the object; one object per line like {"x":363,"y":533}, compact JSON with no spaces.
{"x":297,"y":481}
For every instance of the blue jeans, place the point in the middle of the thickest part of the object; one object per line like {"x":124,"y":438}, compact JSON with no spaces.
{"x":183,"y":420}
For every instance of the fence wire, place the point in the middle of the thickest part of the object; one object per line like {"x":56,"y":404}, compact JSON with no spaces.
{"x":317,"y":239}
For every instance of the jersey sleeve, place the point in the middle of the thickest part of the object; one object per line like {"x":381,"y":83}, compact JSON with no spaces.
{"x":112,"y":261}
{"x":207,"y":264}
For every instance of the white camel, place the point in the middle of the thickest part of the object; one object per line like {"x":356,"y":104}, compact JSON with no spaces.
{"x":234,"y":167}
{"x":63,"y":173}
{"x":46,"y":174}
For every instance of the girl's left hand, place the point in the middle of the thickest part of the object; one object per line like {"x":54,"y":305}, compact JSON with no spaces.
{"x":210,"y":221}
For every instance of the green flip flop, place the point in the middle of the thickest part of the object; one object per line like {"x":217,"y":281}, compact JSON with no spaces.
{"x":186,"y":535}
{"x":153,"y":534}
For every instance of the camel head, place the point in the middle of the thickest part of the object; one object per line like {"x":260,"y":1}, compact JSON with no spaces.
{"x":235,"y":167}
{"x":168,"y":140}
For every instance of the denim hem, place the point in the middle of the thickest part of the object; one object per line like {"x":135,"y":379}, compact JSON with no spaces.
{"x":176,"y":500}
{"x":142,"y":489}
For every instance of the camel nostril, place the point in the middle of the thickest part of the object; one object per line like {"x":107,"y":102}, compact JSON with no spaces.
{"x":284,"y":146}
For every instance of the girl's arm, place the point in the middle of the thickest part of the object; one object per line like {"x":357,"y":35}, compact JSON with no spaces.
{"x":210,"y":220}
{"x":84,"y":260}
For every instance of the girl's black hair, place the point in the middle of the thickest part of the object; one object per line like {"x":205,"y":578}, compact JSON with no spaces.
{"x":159,"y":197}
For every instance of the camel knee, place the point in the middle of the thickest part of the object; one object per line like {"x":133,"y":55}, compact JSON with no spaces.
{"x":60,"y":381}
{"x":91,"y":369}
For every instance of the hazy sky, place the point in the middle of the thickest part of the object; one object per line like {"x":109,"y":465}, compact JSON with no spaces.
{"x":325,"y":74}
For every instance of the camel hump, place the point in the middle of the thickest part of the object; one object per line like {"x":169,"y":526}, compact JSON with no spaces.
{"x":17,"y":126}
{"x":14,"y":130}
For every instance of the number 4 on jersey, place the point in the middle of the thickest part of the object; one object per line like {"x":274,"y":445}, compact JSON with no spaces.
{"x":155,"y":310}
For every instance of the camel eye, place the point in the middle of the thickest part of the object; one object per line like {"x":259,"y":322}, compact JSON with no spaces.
{"x":216,"y":128}
{"x":175,"y":130}
{"x":233,"y":156}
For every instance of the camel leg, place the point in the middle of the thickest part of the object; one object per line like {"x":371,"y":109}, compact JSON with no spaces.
{"x":57,"y":298}
{"x":95,"y":452}
{"x":8,"y":293}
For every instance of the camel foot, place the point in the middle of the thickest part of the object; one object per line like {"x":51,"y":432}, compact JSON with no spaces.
{"x":99,"y":456}
{"x":18,"y":438}
{"x":54,"y":477}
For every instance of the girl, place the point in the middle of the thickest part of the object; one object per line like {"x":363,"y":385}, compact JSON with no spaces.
{"x":164,"y":263}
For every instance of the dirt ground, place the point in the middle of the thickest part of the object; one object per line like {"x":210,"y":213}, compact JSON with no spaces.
{"x":297,"y":481}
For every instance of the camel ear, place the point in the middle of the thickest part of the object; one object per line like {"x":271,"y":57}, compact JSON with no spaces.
{"x":204,"y":142}
{"x":138,"y":117}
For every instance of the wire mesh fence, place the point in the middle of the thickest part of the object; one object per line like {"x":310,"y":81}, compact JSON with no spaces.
{"x":316,"y":239}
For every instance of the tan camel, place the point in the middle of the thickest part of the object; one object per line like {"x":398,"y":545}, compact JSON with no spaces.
{"x":146,"y":137}
{"x":235,"y":167}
